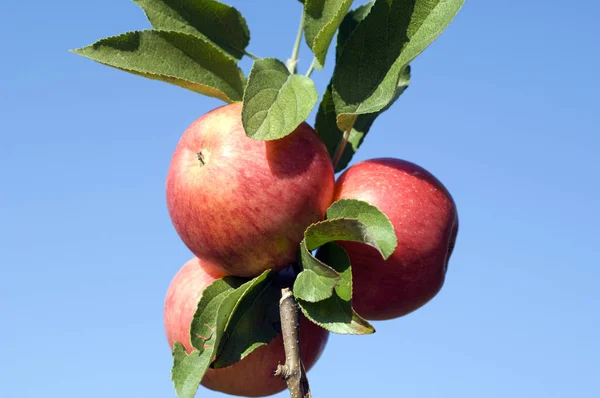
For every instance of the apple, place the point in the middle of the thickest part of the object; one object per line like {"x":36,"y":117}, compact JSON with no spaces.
{"x":253,"y":376}
{"x":425,"y":220}
{"x":243,"y":204}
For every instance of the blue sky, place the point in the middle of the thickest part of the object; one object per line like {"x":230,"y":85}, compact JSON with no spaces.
{"x":503,"y":108}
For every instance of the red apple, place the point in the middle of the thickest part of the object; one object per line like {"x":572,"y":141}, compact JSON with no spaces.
{"x":426,"y":223}
{"x":243,"y":204}
{"x":252,"y":376}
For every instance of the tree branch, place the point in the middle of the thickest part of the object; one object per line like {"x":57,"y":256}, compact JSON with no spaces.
{"x":292,"y":371}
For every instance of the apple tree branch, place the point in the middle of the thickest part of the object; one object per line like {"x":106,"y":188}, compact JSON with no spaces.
{"x":292,"y":371}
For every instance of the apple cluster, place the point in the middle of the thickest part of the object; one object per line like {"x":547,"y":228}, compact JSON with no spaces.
{"x":242,"y":205}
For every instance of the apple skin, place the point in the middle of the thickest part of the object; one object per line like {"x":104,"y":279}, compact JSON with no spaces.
{"x":252,"y":376}
{"x":245,"y":205}
{"x":425,"y":220}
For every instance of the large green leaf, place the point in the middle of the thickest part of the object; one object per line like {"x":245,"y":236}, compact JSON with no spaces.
{"x":326,"y":125}
{"x":228,"y":310}
{"x":335,"y":313}
{"x":254,"y":323}
{"x":205,"y":330}
{"x":327,"y":128}
{"x":178,"y":58}
{"x":321,"y":20}
{"x":210,"y":19}
{"x":275,"y":101}
{"x":217,"y":306}
{"x":349,"y":23}
{"x":202,"y":328}
{"x":370,"y":63}
{"x":326,"y":120}
{"x":347,"y":220}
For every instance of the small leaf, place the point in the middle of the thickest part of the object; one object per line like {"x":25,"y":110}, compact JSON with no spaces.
{"x":178,"y":58}
{"x":347,"y":220}
{"x":317,"y":280}
{"x":321,"y":20}
{"x":335,"y":313}
{"x":378,"y":226}
{"x":223,"y":25}
{"x":346,"y":229}
{"x":187,"y":372}
{"x":275,"y":101}
{"x":371,"y":61}
{"x":254,"y":323}
{"x":326,"y":123}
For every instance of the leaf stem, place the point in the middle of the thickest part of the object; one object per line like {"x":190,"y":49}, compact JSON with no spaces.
{"x":311,"y":68}
{"x":293,"y":61}
{"x":339,"y":151}
{"x":249,"y":54}
{"x":292,"y":371}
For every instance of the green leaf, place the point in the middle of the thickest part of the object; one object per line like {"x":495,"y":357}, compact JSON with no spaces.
{"x":347,"y":220}
{"x":326,"y":123}
{"x":345,"y":229}
{"x":216,"y":308}
{"x":349,"y":23}
{"x":317,"y":280}
{"x":202,"y":328}
{"x":275,"y":101}
{"x":187,"y":372}
{"x":335,"y":313}
{"x":327,"y":128}
{"x":229,"y":306}
{"x":223,"y":25}
{"x":326,"y":120}
{"x":379,"y":231}
{"x":178,"y":58}
{"x":321,"y":20}
{"x":371,"y":61}
{"x":205,"y":331}
{"x":254,"y":323}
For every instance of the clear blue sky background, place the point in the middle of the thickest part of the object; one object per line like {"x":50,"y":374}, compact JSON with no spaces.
{"x":503,"y":108}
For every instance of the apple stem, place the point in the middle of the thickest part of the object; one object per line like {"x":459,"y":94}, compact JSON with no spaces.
{"x":339,"y":151}
{"x":293,"y":61}
{"x":292,"y":371}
